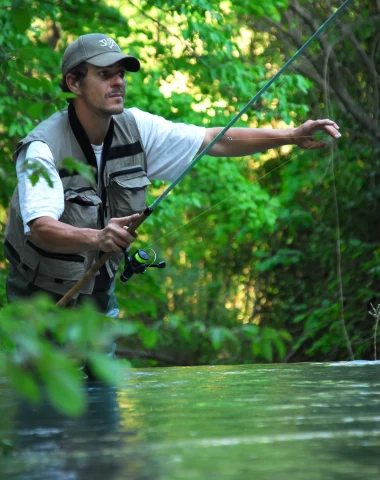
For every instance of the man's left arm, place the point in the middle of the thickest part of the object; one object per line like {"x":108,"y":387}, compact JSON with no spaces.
{"x":238,"y":142}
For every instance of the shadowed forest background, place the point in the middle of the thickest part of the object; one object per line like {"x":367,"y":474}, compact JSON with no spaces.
{"x":272,"y":257}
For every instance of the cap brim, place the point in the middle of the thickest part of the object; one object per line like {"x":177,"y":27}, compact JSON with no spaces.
{"x":131,"y":64}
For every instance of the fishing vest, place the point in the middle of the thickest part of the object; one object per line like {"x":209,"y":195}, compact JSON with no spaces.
{"x":121,"y":191}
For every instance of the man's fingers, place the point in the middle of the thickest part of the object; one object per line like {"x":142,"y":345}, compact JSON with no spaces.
{"x":125,"y":236}
{"x":331,"y":128}
{"x":327,"y":121}
{"x":115,"y":237}
{"x":125,"y":221}
{"x":332,"y":131}
{"x":328,"y":126}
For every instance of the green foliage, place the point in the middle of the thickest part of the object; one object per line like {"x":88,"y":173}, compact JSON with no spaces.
{"x":195,"y":342}
{"x":43,"y":349}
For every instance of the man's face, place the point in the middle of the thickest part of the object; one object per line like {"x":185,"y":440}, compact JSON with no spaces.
{"x":103,"y":89}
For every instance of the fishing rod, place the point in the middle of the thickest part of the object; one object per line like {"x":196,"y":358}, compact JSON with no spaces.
{"x":137,"y":263}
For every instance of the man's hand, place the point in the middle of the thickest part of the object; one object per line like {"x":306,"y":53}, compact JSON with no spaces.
{"x":115,"y":236}
{"x":303,"y":135}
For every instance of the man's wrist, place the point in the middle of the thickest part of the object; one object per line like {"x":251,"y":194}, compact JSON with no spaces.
{"x":93,"y":236}
{"x":292,"y":135}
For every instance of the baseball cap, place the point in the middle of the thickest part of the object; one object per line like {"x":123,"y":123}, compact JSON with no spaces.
{"x":99,"y":50}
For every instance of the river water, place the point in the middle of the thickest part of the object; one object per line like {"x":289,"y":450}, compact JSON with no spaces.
{"x":288,"y":421}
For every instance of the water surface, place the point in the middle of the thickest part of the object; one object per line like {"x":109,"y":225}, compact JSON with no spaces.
{"x":293,"y":421}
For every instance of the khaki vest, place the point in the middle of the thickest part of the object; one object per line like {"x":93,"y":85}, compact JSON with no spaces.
{"x":121,"y":192}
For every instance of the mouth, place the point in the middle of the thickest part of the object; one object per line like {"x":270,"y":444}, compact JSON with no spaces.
{"x":116,"y":95}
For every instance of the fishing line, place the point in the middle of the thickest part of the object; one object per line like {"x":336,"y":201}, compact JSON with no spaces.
{"x":337,"y":217}
{"x":331,"y":166}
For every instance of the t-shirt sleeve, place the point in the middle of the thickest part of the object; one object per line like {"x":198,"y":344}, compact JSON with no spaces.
{"x":169,"y":146}
{"x":39,"y":200}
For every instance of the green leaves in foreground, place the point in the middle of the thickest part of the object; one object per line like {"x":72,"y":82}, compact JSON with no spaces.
{"x":64,"y":383}
{"x":43,"y":349}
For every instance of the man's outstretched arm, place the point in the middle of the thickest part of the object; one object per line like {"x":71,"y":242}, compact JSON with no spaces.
{"x":238,"y":142}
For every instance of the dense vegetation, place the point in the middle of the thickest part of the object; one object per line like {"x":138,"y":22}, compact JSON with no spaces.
{"x":273,"y":257}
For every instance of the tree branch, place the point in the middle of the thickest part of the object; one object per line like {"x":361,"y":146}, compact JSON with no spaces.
{"x":130,"y":353}
{"x":337,"y":85}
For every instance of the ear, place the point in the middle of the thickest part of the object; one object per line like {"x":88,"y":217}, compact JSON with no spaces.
{"x":73,"y":83}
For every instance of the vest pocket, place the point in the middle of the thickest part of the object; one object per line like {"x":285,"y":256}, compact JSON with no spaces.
{"x":81,"y":207}
{"x":127,"y":191}
{"x":59,"y":266}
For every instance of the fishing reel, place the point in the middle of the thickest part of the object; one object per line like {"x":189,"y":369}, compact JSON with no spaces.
{"x":138,"y":263}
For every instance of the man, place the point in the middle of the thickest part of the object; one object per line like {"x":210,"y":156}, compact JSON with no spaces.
{"x":53,"y":235}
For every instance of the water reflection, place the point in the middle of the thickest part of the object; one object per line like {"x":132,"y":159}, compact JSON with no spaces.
{"x":49,"y":446}
{"x":301,"y":421}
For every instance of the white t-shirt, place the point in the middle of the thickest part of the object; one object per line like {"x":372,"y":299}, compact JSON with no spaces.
{"x":169,"y":148}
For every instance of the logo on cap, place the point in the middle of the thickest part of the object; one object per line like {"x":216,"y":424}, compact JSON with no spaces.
{"x":108,"y":42}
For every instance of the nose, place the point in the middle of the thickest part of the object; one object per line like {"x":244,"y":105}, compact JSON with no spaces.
{"x":117,"y":80}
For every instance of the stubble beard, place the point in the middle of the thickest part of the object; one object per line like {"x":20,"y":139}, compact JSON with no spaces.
{"x":103,"y":112}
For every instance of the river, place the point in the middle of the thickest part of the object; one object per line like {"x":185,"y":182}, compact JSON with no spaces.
{"x":278,"y":421}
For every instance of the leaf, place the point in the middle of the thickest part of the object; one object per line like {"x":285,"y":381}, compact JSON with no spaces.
{"x":251,"y":331}
{"x":46,"y":84}
{"x":25,"y":53}
{"x":196,"y":202}
{"x":35,"y":110}
{"x":266,"y":350}
{"x":285,"y":335}
{"x":281,"y":348}
{"x":268,"y":333}
{"x":24,"y":382}
{"x":65,"y":95}
{"x":21,"y":18}
{"x":86,"y":171}
{"x":31,"y":82}
{"x":217,"y":337}
{"x":64,"y":385}
{"x":107,"y":369}
{"x":35,"y":171}
{"x":148,"y":337}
